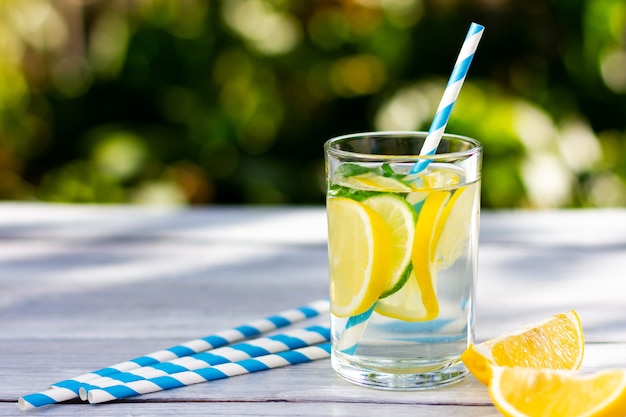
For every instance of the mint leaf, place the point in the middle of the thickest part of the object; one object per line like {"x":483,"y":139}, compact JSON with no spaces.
{"x":350,"y":170}
{"x":347,"y":192}
{"x":387,"y":171}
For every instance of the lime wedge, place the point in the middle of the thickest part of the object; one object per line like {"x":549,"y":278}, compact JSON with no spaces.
{"x":400,"y":218}
{"x":359,"y":251}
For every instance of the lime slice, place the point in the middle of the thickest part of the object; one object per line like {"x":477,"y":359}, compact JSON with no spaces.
{"x":451,"y":234}
{"x":400,"y":219}
{"x":375,"y":182}
{"x":405,"y":304}
{"x":359,"y":252}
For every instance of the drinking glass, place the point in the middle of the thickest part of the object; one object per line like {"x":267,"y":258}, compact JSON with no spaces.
{"x":402,"y":249}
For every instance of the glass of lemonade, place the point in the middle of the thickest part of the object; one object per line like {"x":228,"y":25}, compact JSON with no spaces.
{"x":402,"y":253}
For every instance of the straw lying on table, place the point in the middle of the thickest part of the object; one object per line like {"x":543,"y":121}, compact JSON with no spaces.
{"x":69,"y":389}
{"x":181,"y":379}
{"x":258,"y":347}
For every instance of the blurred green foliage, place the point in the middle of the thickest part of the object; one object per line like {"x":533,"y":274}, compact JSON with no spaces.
{"x":230,"y":101}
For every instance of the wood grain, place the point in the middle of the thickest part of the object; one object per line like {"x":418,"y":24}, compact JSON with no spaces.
{"x":82,"y":287}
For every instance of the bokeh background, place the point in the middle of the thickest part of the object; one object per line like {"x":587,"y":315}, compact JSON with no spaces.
{"x":229,"y":101}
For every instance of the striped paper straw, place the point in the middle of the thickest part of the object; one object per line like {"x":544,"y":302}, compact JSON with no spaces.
{"x":257,"y":347}
{"x":181,"y":379}
{"x":349,"y":340}
{"x":450,"y":94}
{"x":68,"y":389}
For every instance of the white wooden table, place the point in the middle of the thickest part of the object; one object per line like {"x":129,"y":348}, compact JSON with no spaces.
{"x":83,"y":287}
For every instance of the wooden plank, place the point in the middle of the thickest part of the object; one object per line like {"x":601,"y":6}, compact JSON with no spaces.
{"x":204,"y":408}
{"x":306,"y":383}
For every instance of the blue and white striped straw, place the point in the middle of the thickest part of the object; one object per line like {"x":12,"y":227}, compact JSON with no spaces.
{"x":181,"y":379}
{"x":356,"y":325}
{"x":69,"y":389}
{"x":450,"y":94}
{"x":257,"y":347}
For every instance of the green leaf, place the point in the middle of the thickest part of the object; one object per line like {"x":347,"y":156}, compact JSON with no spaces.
{"x":350,"y":170}
{"x":347,"y":192}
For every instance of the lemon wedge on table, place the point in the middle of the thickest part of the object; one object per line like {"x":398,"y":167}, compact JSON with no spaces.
{"x":531,"y":372}
{"x":555,"y":343}
{"x":529,"y":392}
{"x":359,"y":250}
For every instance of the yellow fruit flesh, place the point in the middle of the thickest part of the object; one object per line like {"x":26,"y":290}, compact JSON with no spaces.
{"x":422,"y":249}
{"x":399,"y":217}
{"x":520,"y":392}
{"x":403,"y":299}
{"x":405,"y":304}
{"x":452,"y":232}
{"x":555,"y":343}
{"x":359,"y":250}
{"x":377,"y":183}
{"x":436,"y":243}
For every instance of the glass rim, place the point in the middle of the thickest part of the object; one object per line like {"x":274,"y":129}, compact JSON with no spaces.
{"x":339,"y":153}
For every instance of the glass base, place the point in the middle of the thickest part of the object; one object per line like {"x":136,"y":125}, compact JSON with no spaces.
{"x":428,"y":377}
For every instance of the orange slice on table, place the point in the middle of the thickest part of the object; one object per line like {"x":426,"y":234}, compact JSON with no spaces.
{"x":555,"y":343}
{"x":527,"y":392}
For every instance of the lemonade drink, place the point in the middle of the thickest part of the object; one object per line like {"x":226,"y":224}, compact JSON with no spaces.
{"x":402,"y":258}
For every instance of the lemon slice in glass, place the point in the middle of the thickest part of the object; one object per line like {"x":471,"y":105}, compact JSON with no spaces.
{"x":400,"y":218}
{"x":377,"y":183}
{"x":405,"y":304}
{"x":417,"y":299}
{"x":557,"y":342}
{"x":430,"y":218}
{"x":451,"y":235}
{"x":359,"y":252}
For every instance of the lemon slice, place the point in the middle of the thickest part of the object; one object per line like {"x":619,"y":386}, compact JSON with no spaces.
{"x":405,"y":304}
{"x":431,"y":215}
{"x":523,"y":392}
{"x":417,"y":299}
{"x":377,"y":183}
{"x":359,"y":251}
{"x":400,"y":218}
{"x":557,"y":342}
{"x":452,"y":231}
